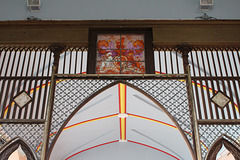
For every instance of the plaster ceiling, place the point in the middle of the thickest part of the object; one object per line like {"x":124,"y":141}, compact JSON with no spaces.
{"x":119,"y":123}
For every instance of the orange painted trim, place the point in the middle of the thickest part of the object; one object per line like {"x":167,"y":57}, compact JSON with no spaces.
{"x":80,"y":123}
{"x":118,"y":141}
{"x":150,"y":119}
{"x":122,"y":89}
{"x":91,"y":120}
{"x":122,"y":92}
{"x":154,"y":149}
{"x":169,"y":125}
{"x":91,"y":148}
{"x":122,"y":128}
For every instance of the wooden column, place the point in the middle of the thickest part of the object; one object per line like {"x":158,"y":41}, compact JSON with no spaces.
{"x":185,"y":49}
{"x":57,"y":49}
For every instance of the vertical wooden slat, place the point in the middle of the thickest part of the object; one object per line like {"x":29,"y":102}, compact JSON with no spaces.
{"x":34,"y":84}
{"x":44,"y":99}
{"x":198,"y":98}
{"x":203,"y":100}
{"x":49,"y":62}
{"x":208,"y":100}
{"x":223,"y":64}
{"x":81,"y":57}
{"x":206,"y":84}
{"x":198,"y":64}
{"x":235,"y":63}
{"x":28,"y":73}
{"x":49,"y":54}
{"x":232,"y":99}
{"x":8,"y":63}
{"x":12,"y":108}
{"x":213,"y":85}
{"x":171,"y":61}
{"x":211,"y":81}
{"x":192,"y":62}
{"x":1,"y":97}
{"x":5,"y":99}
{"x":40,"y":87}
{"x":10,"y":94}
{"x":76,"y":60}
{"x":4,"y":60}
{"x":230,"y":64}
{"x":238,"y":101}
{"x":219,"y":63}
{"x":3,"y":83}
{"x":177,"y":62}
{"x":15,"y":107}
{"x":44,"y":62}
{"x":225,"y":92}
{"x":165,"y":59}
{"x":160,"y":62}
{"x":29,"y":61}
{"x":64,"y":62}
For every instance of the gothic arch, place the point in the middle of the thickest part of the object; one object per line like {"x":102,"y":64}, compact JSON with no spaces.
{"x":217,"y":145}
{"x":133,"y":87}
{"x":8,"y":148}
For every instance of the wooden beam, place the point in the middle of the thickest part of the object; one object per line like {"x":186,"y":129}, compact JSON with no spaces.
{"x":202,"y":36}
{"x":219,"y":121}
{"x":215,"y":33}
{"x":43,"y":35}
{"x":21,"y":121}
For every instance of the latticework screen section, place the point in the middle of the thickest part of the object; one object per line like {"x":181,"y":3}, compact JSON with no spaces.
{"x":69,"y":95}
{"x":210,"y":133}
{"x":30,"y":133}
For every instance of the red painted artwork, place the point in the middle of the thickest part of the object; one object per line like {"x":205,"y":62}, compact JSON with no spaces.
{"x":120,"y":54}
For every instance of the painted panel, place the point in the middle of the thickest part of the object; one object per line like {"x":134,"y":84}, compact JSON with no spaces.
{"x":120,"y":54}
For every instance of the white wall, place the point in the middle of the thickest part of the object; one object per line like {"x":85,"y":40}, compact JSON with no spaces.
{"x":116,"y":9}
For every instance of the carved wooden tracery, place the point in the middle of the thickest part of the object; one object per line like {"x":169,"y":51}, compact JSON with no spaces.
{"x":12,"y":145}
{"x":214,"y":150}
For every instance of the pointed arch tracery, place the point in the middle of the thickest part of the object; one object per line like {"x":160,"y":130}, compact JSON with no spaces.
{"x":142,"y":88}
{"x":233,"y":147}
{"x":16,"y":144}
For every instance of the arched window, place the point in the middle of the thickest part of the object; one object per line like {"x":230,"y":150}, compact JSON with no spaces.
{"x":16,"y":149}
{"x":223,"y":143}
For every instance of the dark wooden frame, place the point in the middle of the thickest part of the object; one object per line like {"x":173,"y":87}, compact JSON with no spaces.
{"x":165,"y":32}
{"x":7,"y":149}
{"x":26,"y":103}
{"x":230,"y":100}
{"x":213,"y":151}
{"x":149,"y":57}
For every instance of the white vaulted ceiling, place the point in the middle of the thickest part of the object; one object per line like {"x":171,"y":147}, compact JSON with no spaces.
{"x":142,"y":131}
